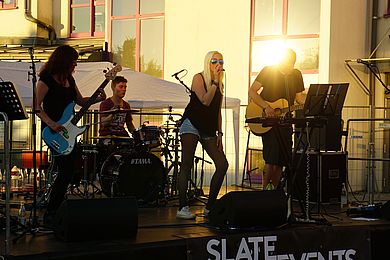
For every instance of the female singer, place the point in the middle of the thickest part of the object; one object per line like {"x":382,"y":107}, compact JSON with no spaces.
{"x":202,"y":122}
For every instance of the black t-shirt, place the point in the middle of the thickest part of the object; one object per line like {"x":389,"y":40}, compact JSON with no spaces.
{"x":204,"y":118}
{"x":275,"y":84}
{"x":58,"y":97}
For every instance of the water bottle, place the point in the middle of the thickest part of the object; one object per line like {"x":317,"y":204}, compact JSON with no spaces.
{"x":14,"y":177}
{"x":343,"y":198}
{"x":22,"y":216}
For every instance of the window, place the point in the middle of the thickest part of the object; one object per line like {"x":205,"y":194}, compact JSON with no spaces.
{"x":137,"y":35}
{"x":87,"y":18}
{"x":285,"y":23}
{"x":8,"y":4}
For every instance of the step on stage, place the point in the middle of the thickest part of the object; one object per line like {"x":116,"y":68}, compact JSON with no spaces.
{"x":158,"y":234}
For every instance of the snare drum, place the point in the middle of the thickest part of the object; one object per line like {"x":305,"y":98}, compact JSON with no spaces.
{"x":149,"y":136}
{"x":138,"y":174}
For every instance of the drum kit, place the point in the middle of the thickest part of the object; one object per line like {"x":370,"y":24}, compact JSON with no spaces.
{"x":144,"y":165}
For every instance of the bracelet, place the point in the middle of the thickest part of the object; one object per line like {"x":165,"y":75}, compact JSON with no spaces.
{"x":214,"y":83}
{"x":220,"y":133}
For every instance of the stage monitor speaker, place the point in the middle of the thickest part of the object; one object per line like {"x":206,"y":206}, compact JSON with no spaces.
{"x":97,"y":219}
{"x":327,"y":173}
{"x":385,"y":210}
{"x":245,"y":209}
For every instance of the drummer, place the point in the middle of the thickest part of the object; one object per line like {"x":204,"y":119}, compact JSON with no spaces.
{"x":112,"y":124}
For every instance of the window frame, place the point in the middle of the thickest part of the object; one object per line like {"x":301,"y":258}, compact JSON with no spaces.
{"x":138,"y":17}
{"x":12,"y":5}
{"x":92,"y":7}
{"x":284,"y":36}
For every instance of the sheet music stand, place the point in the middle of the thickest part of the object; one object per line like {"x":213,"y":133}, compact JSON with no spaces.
{"x":323,"y":101}
{"x":10,"y":103}
{"x":13,"y":109}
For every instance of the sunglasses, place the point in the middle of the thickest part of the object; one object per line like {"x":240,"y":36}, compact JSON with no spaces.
{"x":214,"y":61}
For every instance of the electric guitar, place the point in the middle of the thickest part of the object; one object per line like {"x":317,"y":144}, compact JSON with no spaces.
{"x":63,"y":142}
{"x":254,"y":111}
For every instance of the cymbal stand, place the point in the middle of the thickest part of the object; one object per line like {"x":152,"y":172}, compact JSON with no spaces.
{"x":172,"y":161}
{"x":87,"y":181}
{"x":171,"y":143}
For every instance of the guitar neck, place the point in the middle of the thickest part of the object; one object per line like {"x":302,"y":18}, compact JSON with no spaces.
{"x":89,"y":102}
{"x":292,"y":108}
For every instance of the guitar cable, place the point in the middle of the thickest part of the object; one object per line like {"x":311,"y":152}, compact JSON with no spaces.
{"x":307,"y":194}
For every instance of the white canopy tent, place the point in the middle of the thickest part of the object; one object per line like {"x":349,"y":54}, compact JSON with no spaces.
{"x":143,"y":91}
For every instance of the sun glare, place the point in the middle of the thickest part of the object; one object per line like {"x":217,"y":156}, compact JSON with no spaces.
{"x":268,"y":53}
{"x":273,"y":52}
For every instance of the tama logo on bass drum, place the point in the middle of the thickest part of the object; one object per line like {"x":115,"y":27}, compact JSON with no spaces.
{"x":141,"y":161}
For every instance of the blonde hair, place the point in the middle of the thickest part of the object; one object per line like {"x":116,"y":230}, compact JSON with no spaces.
{"x":206,"y":71}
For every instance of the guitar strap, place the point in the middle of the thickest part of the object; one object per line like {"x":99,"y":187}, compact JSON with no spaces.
{"x":287,"y":89}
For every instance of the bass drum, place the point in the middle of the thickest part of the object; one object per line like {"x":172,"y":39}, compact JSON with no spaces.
{"x":138,"y":174}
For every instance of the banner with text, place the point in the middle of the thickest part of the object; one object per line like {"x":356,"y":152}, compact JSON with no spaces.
{"x":303,"y":243}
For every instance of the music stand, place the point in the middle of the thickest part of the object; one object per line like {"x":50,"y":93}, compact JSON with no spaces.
{"x":322,"y":101}
{"x":335,"y":99}
{"x":325,"y":99}
{"x":13,"y":109}
{"x":10,"y":103}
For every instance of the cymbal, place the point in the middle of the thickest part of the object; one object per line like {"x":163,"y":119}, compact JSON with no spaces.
{"x":111,"y":137}
{"x":115,"y":111}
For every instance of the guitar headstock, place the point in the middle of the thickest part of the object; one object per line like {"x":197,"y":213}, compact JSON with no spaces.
{"x":110,"y":75}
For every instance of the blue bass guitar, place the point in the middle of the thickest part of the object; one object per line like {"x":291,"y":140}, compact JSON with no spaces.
{"x":64,"y":141}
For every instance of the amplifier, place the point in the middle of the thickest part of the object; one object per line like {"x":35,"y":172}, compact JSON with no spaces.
{"x":327,"y":173}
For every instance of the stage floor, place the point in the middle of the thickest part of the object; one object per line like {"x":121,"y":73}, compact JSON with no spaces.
{"x":161,"y":236}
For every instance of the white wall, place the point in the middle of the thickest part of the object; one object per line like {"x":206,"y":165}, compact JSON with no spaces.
{"x":61,"y":17}
{"x":348,"y":34}
{"x":192,"y":28}
{"x":13,"y":23}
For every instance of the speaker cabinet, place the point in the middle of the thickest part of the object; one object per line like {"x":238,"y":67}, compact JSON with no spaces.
{"x":96,"y":219}
{"x":385,"y":210}
{"x":327,"y":173}
{"x":244,"y":209}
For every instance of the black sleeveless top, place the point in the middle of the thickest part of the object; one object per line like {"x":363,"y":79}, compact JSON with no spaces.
{"x":204,"y":118}
{"x":58,"y":97}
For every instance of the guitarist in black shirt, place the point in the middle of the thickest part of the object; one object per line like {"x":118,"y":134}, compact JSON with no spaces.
{"x":273,"y":83}
{"x":55,"y":90}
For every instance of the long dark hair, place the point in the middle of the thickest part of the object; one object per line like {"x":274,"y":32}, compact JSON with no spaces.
{"x":60,"y":61}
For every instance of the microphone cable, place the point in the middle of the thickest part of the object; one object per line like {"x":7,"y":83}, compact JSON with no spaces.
{"x":225,"y":128}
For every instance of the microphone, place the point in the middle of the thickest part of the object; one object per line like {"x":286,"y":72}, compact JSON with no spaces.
{"x":363,"y":62}
{"x":177,"y":73}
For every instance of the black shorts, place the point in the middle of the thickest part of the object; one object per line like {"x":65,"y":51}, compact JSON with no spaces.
{"x":272,"y":152}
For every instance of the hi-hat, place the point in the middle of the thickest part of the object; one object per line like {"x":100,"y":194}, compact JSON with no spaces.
{"x":116,"y":111}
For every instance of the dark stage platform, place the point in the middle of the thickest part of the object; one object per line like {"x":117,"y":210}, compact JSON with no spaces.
{"x":161,"y":236}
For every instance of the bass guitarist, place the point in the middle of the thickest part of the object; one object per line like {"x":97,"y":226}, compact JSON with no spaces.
{"x":276,"y":82}
{"x":55,"y":90}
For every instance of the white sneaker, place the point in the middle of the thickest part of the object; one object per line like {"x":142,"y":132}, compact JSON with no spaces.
{"x":206,"y":212}
{"x":185,"y":213}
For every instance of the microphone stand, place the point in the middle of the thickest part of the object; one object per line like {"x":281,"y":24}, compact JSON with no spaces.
{"x":34,"y":135}
{"x":32,"y":228}
{"x":181,"y":82}
{"x":369,"y":66}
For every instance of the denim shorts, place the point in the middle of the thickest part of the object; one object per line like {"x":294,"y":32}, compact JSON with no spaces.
{"x":188,"y":128}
